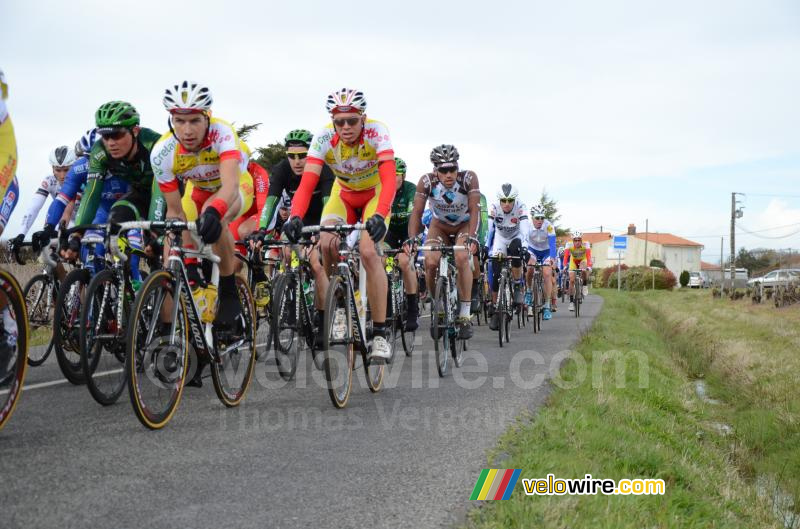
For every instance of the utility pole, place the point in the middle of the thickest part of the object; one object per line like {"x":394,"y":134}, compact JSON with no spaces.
{"x":735,"y":214}
{"x":646,"y":235}
{"x":722,"y":260}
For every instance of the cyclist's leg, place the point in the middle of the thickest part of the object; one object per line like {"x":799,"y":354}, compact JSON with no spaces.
{"x":377,"y":284}
{"x":334,"y":212}
{"x":437,"y":234}
{"x":463,"y":262}
{"x":10,"y":200}
{"x":499,"y":247}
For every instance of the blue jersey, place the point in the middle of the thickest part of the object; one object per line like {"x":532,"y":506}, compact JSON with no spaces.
{"x":73,"y":183}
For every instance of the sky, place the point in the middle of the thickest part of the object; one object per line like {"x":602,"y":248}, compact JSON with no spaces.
{"x":625,"y":112}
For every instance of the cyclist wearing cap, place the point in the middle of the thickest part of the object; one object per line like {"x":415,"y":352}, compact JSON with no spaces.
{"x":509,"y":226}
{"x":359,"y":151}
{"x":124,"y":153}
{"x":454,"y":199}
{"x":207,"y":151}
{"x":577,"y":256}
{"x":61,"y":160}
{"x":402,"y":207}
{"x":541,"y":244}
{"x":283,"y":183}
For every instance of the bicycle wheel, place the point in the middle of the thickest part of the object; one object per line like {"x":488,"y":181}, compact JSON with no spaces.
{"x":40,"y":300}
{"x":408,"y":337}
{"x":394,"y":319}
{"x":509,"y":310}
{"x":289,"y":345}
{"x":234,"y":372}
{"x":66,"y":324}
{"x":156,"y":369}
{"x":339,"y":355}
{"x":535,"y":304}
{"x":439,"y":323}
{"x":373,"y":372}
{"x":102,"y":338}
{"x":501,"y":309}
{"x":578,"y":295}
{"x":15,"y":335}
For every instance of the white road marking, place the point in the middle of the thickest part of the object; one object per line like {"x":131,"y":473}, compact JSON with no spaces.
{"x":40,"y":385}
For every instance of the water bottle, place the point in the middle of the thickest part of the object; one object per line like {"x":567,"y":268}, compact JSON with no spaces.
{"x":308,"y":291}
{"x":211,"y":303}
{"x":359,"y":305}
{"x":199,"y":295}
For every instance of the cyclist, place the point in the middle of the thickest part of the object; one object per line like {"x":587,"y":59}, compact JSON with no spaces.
{"x":509,"y":226}
{"x":61,"y":160}
{"x":207,"y":151}
{"x":541,"y":244}
{"x":283,"y":183}
{"x":8,"y":169}
{"x":402,"y":207}
{"x":577,"y":256}
{"x":454,"y":200}
{"x":359,"y":151}
{"x":478,"y":259}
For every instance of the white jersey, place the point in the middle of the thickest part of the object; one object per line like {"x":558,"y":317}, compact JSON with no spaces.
{"x":3,"y":111}
{"x":540,"y":239}
{"x":449,"y":205}
{"x":49,"y":186}
{"x":512,"y":225}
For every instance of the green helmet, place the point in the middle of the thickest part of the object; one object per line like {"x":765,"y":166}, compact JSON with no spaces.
{"x":296,"y":136}
{"x":400,"y":166}
{"x":114,"y":115}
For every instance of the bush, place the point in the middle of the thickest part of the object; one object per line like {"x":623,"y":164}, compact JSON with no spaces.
{"x":602,"y":277}
{"x":684,"y":278}
{"x":657,"y":263}
{"x":641,"y":278}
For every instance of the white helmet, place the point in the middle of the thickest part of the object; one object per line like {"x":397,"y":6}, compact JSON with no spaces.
{"x":188,"y":97}
{"x":577,"y":234}
{"x":507,"y":191}
{"x":537,"y":211}
{"x":346,"y":100}
{"x":84,"y":145}
{"x":62,"y":156}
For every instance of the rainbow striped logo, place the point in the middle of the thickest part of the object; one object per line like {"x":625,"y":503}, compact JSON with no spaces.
{"x":495,"y":484}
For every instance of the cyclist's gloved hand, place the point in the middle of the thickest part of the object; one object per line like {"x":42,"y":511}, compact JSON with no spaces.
{"x":293,"y":229}
{"x":74,"y":245}
{"x":376,"y":227}
{"x":19,"y":239}
{"x":209,"y":226}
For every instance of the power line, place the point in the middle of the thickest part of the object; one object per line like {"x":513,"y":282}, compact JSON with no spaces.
{"x":754,"y":234}
{"x":770,"y":195}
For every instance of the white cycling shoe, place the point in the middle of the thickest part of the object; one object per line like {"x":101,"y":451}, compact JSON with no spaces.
{"x":585,"y":290}
{"x":571,"y":306}
{"x":381,"y":352}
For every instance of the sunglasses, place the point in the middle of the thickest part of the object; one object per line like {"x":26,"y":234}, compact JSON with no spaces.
{"x":507,"y":200}
{"x":538,"y":217}
{"x":339,"y":122}
{"x":115,"y":135}
{"x":445,"y":170}
{"x":296,"y":155}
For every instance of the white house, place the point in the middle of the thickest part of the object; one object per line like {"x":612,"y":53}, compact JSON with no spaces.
{"x":677,"y":253}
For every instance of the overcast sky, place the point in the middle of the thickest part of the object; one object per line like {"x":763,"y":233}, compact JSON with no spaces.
{"x":623,"y":111}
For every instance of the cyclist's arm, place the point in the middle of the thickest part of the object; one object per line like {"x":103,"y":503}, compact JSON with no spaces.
{"x":474,"y":205}
{"x":65,"y":200}
{"x":420,"y":197}
{"x":174,"y":206}
{"x":67,"y":213}
{"x":388,"y":173}
{"x":308,"y":182}
{"x":565,"y":263}
{"x":93,"y":190}
{"x":38,"y":201}
{"x":276,"y":186}
{"x":552,"y":240}
{"x":490,"y":236}
{"x":589,"y":257}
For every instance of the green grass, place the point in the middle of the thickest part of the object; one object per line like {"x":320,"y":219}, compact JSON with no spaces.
{"x":627,"y":423}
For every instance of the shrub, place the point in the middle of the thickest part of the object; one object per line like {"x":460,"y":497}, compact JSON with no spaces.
{"x":684,"y":278}
{"x":643,"y":278}
{"x":657,"y":263}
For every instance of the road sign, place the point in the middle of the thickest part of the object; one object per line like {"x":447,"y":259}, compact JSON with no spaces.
{"x":620,"y":242}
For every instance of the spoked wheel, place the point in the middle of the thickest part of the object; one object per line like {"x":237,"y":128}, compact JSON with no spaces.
{"x":156,"y":368}
{"x":457,"y":348}
{"x":102,"y":338}
{"x":537,"y":303}
{"x":373,"y":372}
{"x":501,"y":310}
{"x":66,"y":324}
{"x":40,"y":303}
{"x":339,"y":355}
{"x":14,"y":338}
{"x":439,"y":320}
{"x":408,"y":337}
{"x":394,"y":318}
{"x":289,"y":345}
{"x":578,"y":296}
{"x":233,"y":372}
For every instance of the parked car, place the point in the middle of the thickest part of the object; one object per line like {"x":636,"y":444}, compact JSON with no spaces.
{"x":695,"y":280}
{"x":775,"y":278}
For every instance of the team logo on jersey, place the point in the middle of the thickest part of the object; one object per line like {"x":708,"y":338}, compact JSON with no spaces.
{"x":514,"y":220}
{"x":449,"y":196}
{"x":10,"y":197}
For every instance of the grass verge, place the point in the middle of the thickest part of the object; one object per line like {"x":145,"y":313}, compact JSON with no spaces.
{"x":627,"y":408}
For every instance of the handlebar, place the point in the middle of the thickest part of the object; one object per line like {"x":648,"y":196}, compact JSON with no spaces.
{"x":336,"y":228}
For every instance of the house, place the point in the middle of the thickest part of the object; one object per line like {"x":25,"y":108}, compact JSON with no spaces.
{"x":711,"y":271}
{"x":677,"y":253}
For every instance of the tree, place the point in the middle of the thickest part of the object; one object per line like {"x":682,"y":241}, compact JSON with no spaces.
{"x":684,"y":279}
{"x":550,"y":208}
{"x":267,"y":157}
{"x":752,"y":260}
{"x":244,"y":131}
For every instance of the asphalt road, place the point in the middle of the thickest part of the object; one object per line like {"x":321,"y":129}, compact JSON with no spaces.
{"x":408,"y":456}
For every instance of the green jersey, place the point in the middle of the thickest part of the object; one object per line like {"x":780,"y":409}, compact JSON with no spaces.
{"x":137,"y":172}
{"x":401,"y":209}
{"x":483,"y":225}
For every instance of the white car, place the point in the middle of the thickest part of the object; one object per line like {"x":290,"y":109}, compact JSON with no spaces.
{"x":696,"y":280}
{"x":775,"y":278}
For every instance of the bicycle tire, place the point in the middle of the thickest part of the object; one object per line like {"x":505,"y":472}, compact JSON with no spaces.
{"x":14,"y":379}
{"x":66,"y":326}
{"x":40,"y":320}
{"x":501,"y":309}
{"x":439,"y":322}
{"x":232,"y":394}
{"x":264,"y":336}
{"x":409,"y":338}
{"x":92,"y":351}
{"x":287,"y":339}
{"x":338,"y":363}
{"x":145,"y":363}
